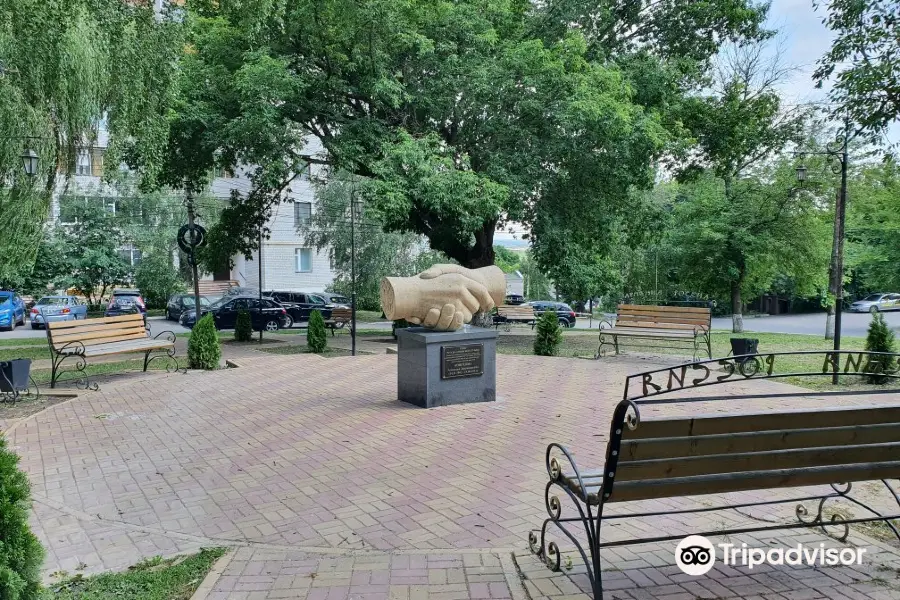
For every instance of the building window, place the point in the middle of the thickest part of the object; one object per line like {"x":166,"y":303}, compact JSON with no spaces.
{"x":302,"y":213}
{"x":303,"y":259}
{"x":83,"y":163}
{"x":131,"y":256}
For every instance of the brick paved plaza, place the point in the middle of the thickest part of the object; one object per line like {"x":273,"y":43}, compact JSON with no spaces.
{"x":328,"y":488}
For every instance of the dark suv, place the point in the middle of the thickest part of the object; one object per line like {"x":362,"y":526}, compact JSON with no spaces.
{"x":564,"y":312}
{"x":264,"y":314}
{"x":299,"y":305}
{"x":126,"y":302}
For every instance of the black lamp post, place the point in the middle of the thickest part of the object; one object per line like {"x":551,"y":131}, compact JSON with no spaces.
{"x":30,"y":162}
{"x":836,"y":151}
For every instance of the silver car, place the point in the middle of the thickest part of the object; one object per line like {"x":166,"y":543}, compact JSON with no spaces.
{"x":876,"y":303}
{"x":57,"y":308}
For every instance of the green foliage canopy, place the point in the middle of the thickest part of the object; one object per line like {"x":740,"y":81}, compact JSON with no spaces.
{"x":461,"y":115}
{"x":64,"y":67}
{"x":873,"y":226}
{"x":864,"y":61}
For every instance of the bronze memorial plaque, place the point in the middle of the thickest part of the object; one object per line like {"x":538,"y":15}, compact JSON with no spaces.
{"x":462,"y":361}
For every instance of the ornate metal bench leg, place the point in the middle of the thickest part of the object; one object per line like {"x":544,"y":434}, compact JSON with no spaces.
{"x":549,"y":551}
{"x":53,"y":369}
{"x":169,"y":357}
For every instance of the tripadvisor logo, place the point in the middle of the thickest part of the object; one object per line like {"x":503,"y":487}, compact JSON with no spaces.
{"x":696,"y":555}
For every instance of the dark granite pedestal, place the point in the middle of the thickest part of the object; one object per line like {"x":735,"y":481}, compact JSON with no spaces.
{"x":438,"y":368}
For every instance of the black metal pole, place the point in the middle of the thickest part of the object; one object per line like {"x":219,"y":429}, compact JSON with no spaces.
{"x":261,"y":312}
{"x":353,"y":271}
{"x":189,"y":199}
{"x":840,"y":214}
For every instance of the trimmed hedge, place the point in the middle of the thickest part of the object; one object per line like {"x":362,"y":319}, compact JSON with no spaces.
{"x":21,"y":554}
{"x":315,"y":333}
{"x":204,"y":351}
{"x":549,"y":334}
{"x":880,"y":338}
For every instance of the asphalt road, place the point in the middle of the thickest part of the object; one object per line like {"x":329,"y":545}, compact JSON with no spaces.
{"x":157,"y":324}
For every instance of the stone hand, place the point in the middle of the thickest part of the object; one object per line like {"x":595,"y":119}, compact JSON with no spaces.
{"x":486,"y":276}
{"x":443,"y":297}
{"x":448,"y":301}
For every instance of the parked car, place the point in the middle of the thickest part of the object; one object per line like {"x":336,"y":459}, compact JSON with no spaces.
{"x":125,"y":305}
{"x":564,"y":312}
{"x":178,"y":303}
{"x":874,"y":303}
{"x":12,"y":310}
{"x":50,"y":309}
{"x":335,"y":300}
{"x":128,"y":296}
{"x":515,"y":299}
{"x":264,"y":314}
{"x":299,"y":305}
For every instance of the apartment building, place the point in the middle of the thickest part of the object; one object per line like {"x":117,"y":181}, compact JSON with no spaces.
{"x":287,"y":263}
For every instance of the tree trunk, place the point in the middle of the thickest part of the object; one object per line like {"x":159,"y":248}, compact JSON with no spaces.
{"x":737,"y":318}
{"x":829,"y":323}
{"x":480,"y":254}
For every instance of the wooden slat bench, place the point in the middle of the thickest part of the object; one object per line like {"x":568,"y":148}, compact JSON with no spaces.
{"x":668,"y":325}
{"x":508,"y":315}
{"x":340,"y":317}
{"x":102,"y":337}
{"x":666,"y":458}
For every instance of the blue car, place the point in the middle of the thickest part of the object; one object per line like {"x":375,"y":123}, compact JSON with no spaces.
{"x":50,"y":309}
{"x":12,"y":310}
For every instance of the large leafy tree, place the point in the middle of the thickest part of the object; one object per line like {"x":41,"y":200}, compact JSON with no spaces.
{"x":739,"y":127}
{"x":64,"y":66}
{"x":873,"y":227}
{"x":91,"y":248}
{"x":378,"y":253}
{"x":727,"y":243}
{"x":459,"y":115}
{"x":864,"y":61}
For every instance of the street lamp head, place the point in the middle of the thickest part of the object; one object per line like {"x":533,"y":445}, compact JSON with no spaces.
{"x":30,"y":162}
{"x":801,"y":173}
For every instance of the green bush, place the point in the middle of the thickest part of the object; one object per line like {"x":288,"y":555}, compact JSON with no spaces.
{"x":880,"y":338}
{"x":315,"y":333}
{"x":158,"y":279}
{"x":243,"y":328}
{"x":203,"y":346}
{"x":549,"y":334}
{"x":20,"y":552}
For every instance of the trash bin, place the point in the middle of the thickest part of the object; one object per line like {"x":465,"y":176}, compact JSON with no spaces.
{"x":14,"y":375}
{"x":744,"y":346}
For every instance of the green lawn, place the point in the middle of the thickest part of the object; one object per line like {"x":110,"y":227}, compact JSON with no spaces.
{"x":42,"y":341}
{"x":34,"y":352}
{"x":368,"y":316}
{"x":583,"y":344}
{"x":153,"y":579}
{"x":42,"y":376}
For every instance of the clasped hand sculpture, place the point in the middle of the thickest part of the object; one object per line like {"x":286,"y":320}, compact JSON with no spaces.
{"x":444,"y":296}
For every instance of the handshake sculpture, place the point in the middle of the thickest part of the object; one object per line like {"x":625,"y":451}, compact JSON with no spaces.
{"x":443,"y":297}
